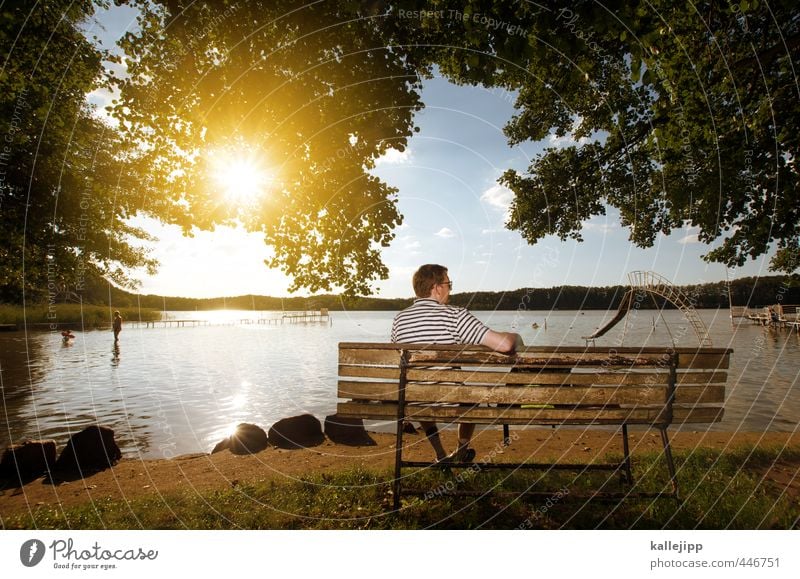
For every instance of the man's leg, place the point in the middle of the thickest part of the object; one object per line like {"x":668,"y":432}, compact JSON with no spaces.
{"x":465,"y":432}
{"x":463,"y":453}
{"x":432,"y":433}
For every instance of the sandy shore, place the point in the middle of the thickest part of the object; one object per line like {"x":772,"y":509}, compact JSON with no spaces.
{"x":131,"y":478}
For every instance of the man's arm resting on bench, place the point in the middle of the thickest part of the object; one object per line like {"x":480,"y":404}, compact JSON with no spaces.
{"x":503,"y":342}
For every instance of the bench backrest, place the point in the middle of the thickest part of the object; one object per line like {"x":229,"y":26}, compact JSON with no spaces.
{"x":543,"y":385}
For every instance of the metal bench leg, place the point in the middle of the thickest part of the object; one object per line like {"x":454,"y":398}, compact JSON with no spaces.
{"x":398,"y":458}
{"x":670,"y":463}
{"x":626,"y":450}
{"x":506,"y":436}
{"x":401,"y":415}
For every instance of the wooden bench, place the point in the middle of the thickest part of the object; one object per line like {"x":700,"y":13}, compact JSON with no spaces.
{"x":589,"y":386}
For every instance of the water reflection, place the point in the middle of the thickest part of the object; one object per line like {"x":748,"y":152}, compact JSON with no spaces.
{"x":182,"y":389}
{"x":23,"y":364}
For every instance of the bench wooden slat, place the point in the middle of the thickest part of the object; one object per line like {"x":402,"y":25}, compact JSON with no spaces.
{"x":488,"y":376}
{"x":697,"y":361}
{"x":624,"y":350}
{"x":509,"y":394}
{"x":689,"y":360}
{"x":544,"y":395}
{"x":368,"y":390}
{"x":540,"y":395}
{"x":516,"y":415}
{"x":536,"y":359}
{"x":378,"y":357}
{"x":700,"y":394}
{"x":483,"y":376}
{"x":705,"y":394}
{"x":613,"y":360}
{"x":502,"y":376}
{"x":702,"y":378}
{"x":369,"y":372}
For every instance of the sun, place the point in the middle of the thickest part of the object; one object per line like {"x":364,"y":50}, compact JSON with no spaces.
{"x":242,"y":179}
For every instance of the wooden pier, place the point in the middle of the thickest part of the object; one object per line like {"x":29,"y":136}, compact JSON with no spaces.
{"x":278,"y":318}
{"x":275,"y":318}
{"x":740,"y":312}
{"x":177,"y":323}
{"x":314,"y":316}
{"x":777,"y":316}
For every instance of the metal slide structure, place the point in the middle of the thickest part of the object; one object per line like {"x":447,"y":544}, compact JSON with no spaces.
{"x":655,"y":284}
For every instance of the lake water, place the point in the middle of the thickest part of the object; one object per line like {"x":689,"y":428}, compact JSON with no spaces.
{"x":173,"y":391}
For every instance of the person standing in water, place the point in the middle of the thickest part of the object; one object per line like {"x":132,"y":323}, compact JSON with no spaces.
{"x":117,"y":325}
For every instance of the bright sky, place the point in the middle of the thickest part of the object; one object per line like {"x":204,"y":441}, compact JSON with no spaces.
{"x":454,"y":214}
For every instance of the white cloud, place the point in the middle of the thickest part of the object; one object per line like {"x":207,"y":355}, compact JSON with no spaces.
{"x":395,"y":157}
{"x":410,"y":245}
{"x":445,"y":233}
{"x":402,"y":271}
{"x":235,"y":255}
{"x":690,"y":236}
{"x":602,"y":224}
{"x":101,"y":98}
{"x":498,"y":196}
{"x":566,"y":141}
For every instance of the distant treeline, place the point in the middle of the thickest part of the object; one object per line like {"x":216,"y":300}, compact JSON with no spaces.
{"x":751,"y":291}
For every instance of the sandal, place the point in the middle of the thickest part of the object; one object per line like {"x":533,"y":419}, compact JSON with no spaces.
{"x":463,"y":454}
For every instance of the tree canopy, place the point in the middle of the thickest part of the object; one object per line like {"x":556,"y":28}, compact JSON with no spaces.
{"x":677,"y":114}
{"x":65,"y":188}
{"x":310,"y":93}
{"x":681,"y":113}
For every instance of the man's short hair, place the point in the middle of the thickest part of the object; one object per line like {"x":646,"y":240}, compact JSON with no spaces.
{"x":426,"y":277}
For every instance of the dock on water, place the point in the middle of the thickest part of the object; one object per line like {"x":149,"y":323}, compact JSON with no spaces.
{"x":313,"y":316}
{"x":321,"y":316}
{"x":274,"y":318}
{"x":778,"y":316}
{"x":174,"y":322}
{"x":740,"y":312}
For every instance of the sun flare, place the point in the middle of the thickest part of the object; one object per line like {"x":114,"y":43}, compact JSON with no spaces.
{"x":243,"y":180}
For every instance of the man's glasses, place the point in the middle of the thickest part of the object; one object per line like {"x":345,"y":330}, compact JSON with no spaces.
{"x":449,"y":284}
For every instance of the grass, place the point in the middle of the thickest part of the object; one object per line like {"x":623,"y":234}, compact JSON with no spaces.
{"x":720,"y":490}
{"x":87,"y":315}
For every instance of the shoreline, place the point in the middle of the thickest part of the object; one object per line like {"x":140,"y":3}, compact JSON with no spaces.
{"x":195,"y":474}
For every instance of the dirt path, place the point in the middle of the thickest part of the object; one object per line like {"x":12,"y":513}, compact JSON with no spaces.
{"x":132,"y":479}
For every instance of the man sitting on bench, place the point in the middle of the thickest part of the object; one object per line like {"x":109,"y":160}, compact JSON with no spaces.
{"x":429,"y":320}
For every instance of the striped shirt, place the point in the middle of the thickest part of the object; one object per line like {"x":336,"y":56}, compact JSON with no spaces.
{"x":427,"y":321}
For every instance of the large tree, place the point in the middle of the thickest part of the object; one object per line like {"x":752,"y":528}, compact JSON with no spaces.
{"x":682,"y":113}
{"x":310,"y":93}
{"x":66,"y":189}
